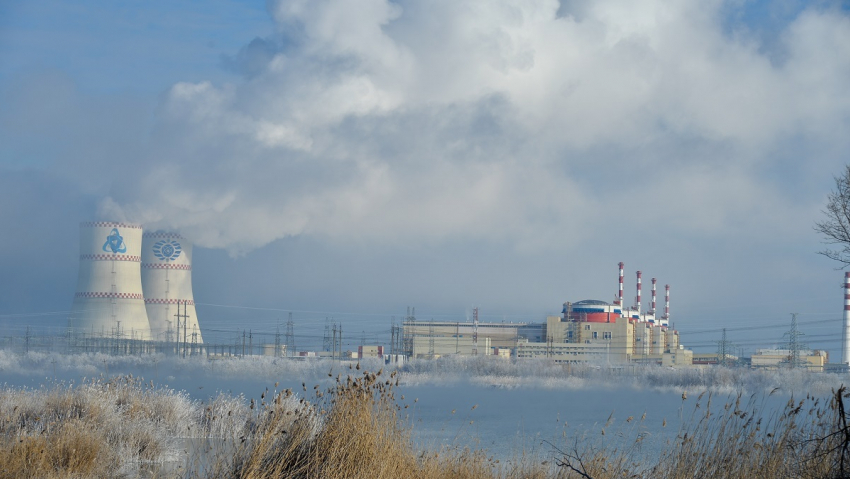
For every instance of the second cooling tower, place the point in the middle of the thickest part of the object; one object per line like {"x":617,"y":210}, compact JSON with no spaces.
{"x":167,"y":285}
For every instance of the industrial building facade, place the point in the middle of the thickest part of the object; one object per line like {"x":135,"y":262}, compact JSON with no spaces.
{"x":558,"y":339}
{"x":587,"y":331}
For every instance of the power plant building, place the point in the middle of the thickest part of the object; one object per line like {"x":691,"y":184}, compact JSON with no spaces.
{"x":588,"y":330}
{"x":109,"y":301}
{"x":441,"y":338}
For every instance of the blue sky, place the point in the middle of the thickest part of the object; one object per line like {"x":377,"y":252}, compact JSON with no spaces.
{"x":353,"y":158}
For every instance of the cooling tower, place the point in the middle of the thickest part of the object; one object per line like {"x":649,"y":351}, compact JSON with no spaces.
{"x":167,"y":283}
{"x":109,"y":301}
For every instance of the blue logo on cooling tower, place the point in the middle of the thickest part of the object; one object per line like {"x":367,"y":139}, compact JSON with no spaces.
{"x":167,"y":250}
{"x":115,"y":242}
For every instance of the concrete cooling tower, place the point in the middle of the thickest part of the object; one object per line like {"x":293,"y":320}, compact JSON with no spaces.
{"x":167,"y":283}
{"x":109,"y":300}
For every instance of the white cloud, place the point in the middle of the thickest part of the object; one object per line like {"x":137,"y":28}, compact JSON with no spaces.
{"x":496,"y":120}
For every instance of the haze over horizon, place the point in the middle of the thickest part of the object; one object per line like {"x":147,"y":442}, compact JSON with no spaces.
{"x":349,"y":159}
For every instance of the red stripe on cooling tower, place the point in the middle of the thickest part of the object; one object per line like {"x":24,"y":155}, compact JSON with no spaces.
{"x":169,"y":301}
{"x":108,"y":224}
{"x":162,"y":235}
{"x":166,"y":266}
{"x":111,"y":257}
{"x":94,"y":294}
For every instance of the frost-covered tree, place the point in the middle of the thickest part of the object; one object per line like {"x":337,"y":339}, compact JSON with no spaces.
{"x":836,"y":227}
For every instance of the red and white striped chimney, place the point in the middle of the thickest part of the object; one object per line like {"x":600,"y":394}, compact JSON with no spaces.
{"x":653,"y":297}
{"x":845,"y":353}
{"x":667,"y":302}
{"x":637,"y":303}
{"x":620,"y":297}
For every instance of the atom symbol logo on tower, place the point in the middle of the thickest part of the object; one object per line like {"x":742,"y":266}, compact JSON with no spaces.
{"x":167,"y":250}
{"x":115,"y":242}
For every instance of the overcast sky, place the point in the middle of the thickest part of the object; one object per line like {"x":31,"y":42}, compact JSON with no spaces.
{"x":351,"y":158}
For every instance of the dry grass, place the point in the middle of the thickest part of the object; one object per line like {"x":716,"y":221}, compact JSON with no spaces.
{"x":72,"y":451}
{"x":353,"y":431}
{"x":102,"y":428}
{"x":356,"y":429}
{"x":807,"y":439}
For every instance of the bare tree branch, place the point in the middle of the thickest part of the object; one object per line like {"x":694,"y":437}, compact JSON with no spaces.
{"x":571,"y":460}
{"x":835,"y":229}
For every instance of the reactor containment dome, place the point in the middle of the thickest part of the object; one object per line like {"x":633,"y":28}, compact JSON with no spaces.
{"x":109,"y":301}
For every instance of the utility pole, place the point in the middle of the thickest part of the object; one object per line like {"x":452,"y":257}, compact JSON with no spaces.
{"x":457,"y":338}
{"x":392,"y":336}
{"x":333,"y":352}
{"x":431,"y":339}
{"x":475,"y":332}
{"x":185,"y":316}
{"x":177,"y":336}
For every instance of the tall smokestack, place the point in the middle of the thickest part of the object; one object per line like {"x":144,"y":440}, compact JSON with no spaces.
{"x":637,"y":305}
{"x":620,"y":297}
{"x":653,"y":297}
{"x":845,"y":353}
{"x":667,"y":302}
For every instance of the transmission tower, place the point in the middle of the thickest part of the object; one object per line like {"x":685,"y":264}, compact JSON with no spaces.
{"x":194,"y":340}
{"x":327,"y":340}
{"x":290,"y":337}
{"x":408,"y":333}
{"x":277,"y":339}
{"x":794,"y":345}
{"x":724,"y":350}
{"x":396,"y":341}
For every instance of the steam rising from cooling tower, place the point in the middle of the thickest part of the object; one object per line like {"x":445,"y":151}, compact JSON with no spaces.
{"x":167,"y":284}
{"x":109,"y":301}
